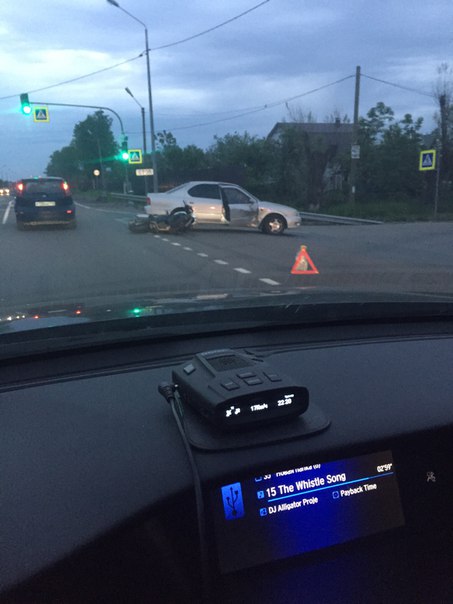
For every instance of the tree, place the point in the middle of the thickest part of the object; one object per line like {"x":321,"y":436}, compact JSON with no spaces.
{"x":250,"y":157}
{"x":305,"y":154}
{"x":389,"y":155}
{"x":93,"y":146}
{"x":177,"y":164}
{"x":65,"y":163}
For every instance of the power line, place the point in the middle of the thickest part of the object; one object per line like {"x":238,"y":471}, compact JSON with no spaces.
{"x":264,"y":107}
{"x":207,"y":31}
{"x":399,"y":86}
{"x":92,"y":73}
{"x":87,"y":75}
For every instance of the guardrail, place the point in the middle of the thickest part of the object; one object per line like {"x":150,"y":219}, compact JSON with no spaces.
{"x":129,"y":197}
{"x":313,"y":216}
{"x":336,"y":219}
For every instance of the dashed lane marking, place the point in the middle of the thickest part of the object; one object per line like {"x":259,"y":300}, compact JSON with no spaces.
{"x":238,"y":269}
{"x":7,"y":211}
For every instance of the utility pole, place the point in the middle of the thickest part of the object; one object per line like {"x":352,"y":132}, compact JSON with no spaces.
{"x":355,"y":148}
{"x":142,"y":109}
{"x":144,"y":146}
{"x":441,"y":147}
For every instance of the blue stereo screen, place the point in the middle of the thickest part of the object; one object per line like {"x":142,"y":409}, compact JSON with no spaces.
{"x":297,"y":510}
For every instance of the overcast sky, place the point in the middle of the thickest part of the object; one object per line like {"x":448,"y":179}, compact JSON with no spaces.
{"x":282,"y":49}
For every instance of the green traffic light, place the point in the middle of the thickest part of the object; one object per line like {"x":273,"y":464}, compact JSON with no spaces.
{"x":125,"y":155}
{"x":25,"y":104}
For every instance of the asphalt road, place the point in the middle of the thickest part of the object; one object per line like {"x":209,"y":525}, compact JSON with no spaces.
{"x":101,"y":258}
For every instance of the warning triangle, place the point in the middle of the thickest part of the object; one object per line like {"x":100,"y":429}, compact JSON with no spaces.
{"x":427,"y":161}
{"x":135,"y":157}
{"x":41,"y":115}
{"x":304,"y":264}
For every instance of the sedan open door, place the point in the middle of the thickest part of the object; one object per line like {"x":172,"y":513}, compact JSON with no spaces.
{"x":240,"y":209}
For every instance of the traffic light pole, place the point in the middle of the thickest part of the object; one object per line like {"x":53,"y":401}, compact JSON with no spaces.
{"x":126,"y":183}
{"x":84,"y":106}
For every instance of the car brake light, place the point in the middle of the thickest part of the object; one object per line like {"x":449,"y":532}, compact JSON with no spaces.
{"x":20,"y":187}
{"x":65,"y":186}
{"x":68,"y":211}
{"x":148,"y":201}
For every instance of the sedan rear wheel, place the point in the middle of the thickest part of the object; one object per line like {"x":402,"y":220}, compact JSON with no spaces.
{"x":274,"y":224}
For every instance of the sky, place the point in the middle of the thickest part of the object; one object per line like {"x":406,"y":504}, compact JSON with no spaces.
{"x":242,"y":76}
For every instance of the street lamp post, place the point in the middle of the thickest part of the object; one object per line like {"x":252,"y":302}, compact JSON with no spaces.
{"x":142,"y":109}
{"x":150,"y":98}
{"x":101,"y":163}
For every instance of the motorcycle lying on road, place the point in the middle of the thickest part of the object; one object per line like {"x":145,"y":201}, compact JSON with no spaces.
{"x":178,"y":221}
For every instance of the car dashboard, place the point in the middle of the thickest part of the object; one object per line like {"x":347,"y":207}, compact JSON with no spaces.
{"x":97,"y":490}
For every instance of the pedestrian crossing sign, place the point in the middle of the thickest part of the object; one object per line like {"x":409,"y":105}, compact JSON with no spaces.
{"x":135,"y":156}
{"x":427,"y":160}
{"x":41,"y":114}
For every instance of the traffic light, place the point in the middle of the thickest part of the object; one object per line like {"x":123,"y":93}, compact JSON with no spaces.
{"x":25,"y":104}
{"x":124,"y":150}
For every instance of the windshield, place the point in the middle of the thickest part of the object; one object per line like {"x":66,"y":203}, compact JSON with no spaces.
{"x":307,"y":149}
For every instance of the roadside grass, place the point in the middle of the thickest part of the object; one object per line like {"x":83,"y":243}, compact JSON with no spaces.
{"x":390,"y":211}
{"x":93,"y":195}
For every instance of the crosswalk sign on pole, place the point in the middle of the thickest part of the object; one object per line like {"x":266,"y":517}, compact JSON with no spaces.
{"x":427,"y":160}
{"x":304,"y":264}
{"x":41,"y":114}
{"x":135,"y":156}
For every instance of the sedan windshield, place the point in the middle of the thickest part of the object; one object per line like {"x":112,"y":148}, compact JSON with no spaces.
{"x":205,"y":156}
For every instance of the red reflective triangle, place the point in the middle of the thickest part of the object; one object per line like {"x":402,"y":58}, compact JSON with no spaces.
{"x":304,"y":264}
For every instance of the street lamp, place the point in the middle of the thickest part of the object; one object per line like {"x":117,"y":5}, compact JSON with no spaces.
{"x":150,"y":98}
{"x":142,"y":109}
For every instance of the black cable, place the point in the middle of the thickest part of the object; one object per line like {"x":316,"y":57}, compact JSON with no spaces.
{"x":87,"y":75}
{"x":267,"y":106}
{"x":76,"y":79}
{"x":171,"y":395}
{"x":207,"y":31}
{"x":398,"y":86}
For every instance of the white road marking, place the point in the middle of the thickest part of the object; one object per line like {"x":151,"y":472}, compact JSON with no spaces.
{"x":241,"y":270}
{"x":7,"y":211}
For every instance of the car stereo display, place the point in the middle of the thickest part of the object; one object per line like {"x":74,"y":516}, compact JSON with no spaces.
{"x":301,"y":509}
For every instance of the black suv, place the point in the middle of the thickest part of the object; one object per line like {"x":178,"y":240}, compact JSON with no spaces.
{"x":44,"y":201}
